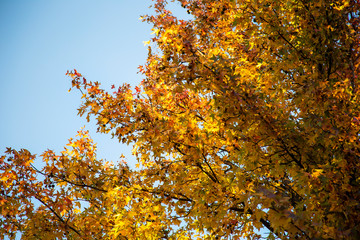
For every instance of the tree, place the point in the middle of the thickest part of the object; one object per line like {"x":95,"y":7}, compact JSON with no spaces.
{"x":248,"y":118}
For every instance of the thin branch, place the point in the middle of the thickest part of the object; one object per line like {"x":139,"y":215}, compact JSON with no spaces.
{"x":58,"y":216}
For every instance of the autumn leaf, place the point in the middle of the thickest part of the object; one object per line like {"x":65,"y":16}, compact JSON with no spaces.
{"x":247,"y":121}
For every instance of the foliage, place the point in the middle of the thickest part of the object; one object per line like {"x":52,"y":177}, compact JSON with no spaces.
{"x":248,"y":118}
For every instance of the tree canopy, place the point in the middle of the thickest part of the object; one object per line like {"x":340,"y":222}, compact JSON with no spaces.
{"x":247,"y":119}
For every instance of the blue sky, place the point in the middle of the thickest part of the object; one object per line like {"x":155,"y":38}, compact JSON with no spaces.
{"x":40,"y":41}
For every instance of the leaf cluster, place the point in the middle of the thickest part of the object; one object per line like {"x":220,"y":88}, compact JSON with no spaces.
{"x":247,"y":119}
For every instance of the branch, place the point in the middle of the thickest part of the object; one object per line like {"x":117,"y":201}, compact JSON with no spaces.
{"x":58,"y":216}
{"x":262,"y":220}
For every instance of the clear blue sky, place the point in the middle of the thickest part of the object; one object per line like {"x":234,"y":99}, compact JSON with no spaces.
{"x":39,"y":41}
